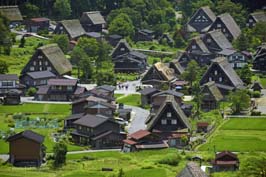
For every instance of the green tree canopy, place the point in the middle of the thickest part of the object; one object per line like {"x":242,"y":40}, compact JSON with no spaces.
{"x":122,"y":25}
{"x":60,"y":151}
{"x":62,"y":9}
{"x":253,"y":166}
{"x":5,"y":36}
{"x":30,"y":10}
{"x":3,"y":67}
{"x":62,"y":41}
{"x":240,"y":100}
{"x":192,"y":72}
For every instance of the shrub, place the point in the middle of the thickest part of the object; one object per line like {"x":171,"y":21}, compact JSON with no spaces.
{"x":255,"y":113}
{"x":43,"y":32}
{"x":88,"y":158}
{"x":31,"y":91}
{"x":172,"y":160}
{"x":18,"y":116}
{"x":153,"y":47}
{"x":256,"y":94}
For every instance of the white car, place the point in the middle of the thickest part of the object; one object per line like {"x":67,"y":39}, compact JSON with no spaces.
{"x":121,"y":121}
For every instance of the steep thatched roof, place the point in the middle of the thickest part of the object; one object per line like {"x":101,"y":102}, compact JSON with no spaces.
{"x":170,"y":100}
{"x":56,"y":56}
{"x":73,"y":28}
{"x":213,"y":90}
{"x":192,"y":170}
{"x":230,"y":23}
{"x":259,"y":16}
{"x":164,"y":71}
{"x":176,"y":66}
{"x":220,"y":39}
{"x":95,"y":17}
{"x":12,"y":13}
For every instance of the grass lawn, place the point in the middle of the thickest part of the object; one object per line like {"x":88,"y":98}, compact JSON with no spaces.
{"x":242,"y":135}
{"x":261,"y":79}
{"x":36,"y":108}
{"x":139,"y":164}
{"x":123,"y":77}
{"x":133,"y":100}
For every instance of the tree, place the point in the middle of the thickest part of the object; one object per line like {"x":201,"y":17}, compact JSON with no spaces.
{"x":89,"y":45}
{"x":30,"y":10}
{"x":62,"y":41}
{"x":86,"y":67}
{"x":240,"y":100}
{"x":121,"y":173}
{"x":191,"y":73}
{"x":253,"y":166}
{"x":22,"y":42}
{"x":179,"y":40}
{"x":105,"y":74}
{"x":60,"y":151}
{"x":62,"y":9}
{"x":197,"y":98}
{"x":245,"y":74}
{"x":260,"y":31}
{"x":242,"y":42}
{"x":122,"y":25}
{"x":5,"y":36}
{"x":103,"y":53}
{"x":3,"y":67}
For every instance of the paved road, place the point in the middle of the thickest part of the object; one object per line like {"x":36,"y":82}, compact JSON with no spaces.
{"x":131,"y":87}
{"x":262,"y":102}
{"x":138,"y":118}
{"x":30,"y":100}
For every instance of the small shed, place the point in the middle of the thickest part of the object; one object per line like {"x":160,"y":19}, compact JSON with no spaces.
{"x":202,"y":127}
{"x":37,"y":24}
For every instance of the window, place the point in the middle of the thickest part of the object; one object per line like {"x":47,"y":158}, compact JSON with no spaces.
{"x":31,"y":68}
{"x":49,"y":68}
{"x":193,"y":47}
{"x":46,"y":63}
{"x":219,"y":25}
{"x":34,"y":63}
{"x":210,"y":79}
{"x":250,"y":20}
{"x":34,"y":82}
{"x":209,"y":40}
{"x":220,"y":79}
{"x":173,"y":121}
{"x":163,"y":121}
{"x":69,"y":88}
{"x":40,"y":57}
{"x":169,"y":114}
{"x":224,"y":30}
{"x":215,"y":72}
{"x":7,"y":83}
{"x":122,"y":49}
{"x":40,"y":62}
{"x":80,"y":127}
{"x":40,"y":68}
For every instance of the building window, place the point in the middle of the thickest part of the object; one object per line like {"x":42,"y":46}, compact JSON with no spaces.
{"x":169,"y":114}
{"x":163,"y":121}
{"x":31,"y":68}
{"x":49,"y":68}
{"x":250,"y":20}
{"x":7,"y":83}
{"x":215,"y":72}
{"x":40,"y":68}
{"x":220,"y":79}
{"x":210,"y":79}
{"x":34,"y":63}
{"x":224,"y":30}
{"x":69,"y":88}
{"x":209,"y":40}
{"x":193,"y":47}
{"x":122,"y":49}
{"x":173,"y":121}
{"x":219,"y":25}
{"x":80,"y":127}
{"x":40,"y":62}
{"x":46,"y":63}
{"x":40,"y":57}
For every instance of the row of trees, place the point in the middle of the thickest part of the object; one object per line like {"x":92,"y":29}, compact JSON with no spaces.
{"x":93,"y":60}
{"x":5,"y":36}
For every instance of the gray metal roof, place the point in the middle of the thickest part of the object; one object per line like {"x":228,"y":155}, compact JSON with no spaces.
{"x":29,"y":135}
{"x":4,"y":77}
{"x":41,"y":74}
{"x":91,"y":120}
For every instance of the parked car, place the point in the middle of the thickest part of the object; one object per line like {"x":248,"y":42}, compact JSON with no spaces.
{"x":121,"y":121}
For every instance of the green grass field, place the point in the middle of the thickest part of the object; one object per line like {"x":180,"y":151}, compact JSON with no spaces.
{"x":36,"y":108}
{"x":133,"y":100}
{"x":237,"y":134}
{"x":139,"y":164}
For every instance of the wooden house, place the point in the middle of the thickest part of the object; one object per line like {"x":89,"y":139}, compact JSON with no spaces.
{"x":12,"y":13}
{"x":100,"y":108}
{"x":198,"y":51}
{"x":192,"y":169}
{"x":202,"y":127}
{"x":259,"y":62}
{"x":225,"y":161}
{"x":69,"y":121}
{"x":255,"y":17}
{"x":169,"y":122}
{"x":114,"y":39}
{"x":49,"y":57}
{"x":146,"y":95}
{"x":166,"y":39}
{"x":159,"y":98}
{"x":26,"y":149}
{"x":175,"y":65}
{"x":37,"y":24}
{"x":224,"y":76}
{"x":143,"y":140}
{"x":238,"y":60}
{"x":256,"y":86}
{"x":37,"y":78}
{"x":184,"y":58}
{"x":72,"y":28}
{"x":145,"y":35}
{"x":158,"y":75}
{"x":10,"y":82}
{"x":59,"y":90}
{"x":211,"y":96}
{"x":12,"y":97}
{"x":127,"y":60}
{"x":92,"y":21}
{"x":97,"y":131}
{"x":201,"y":20}
{"x":227,"y":25}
